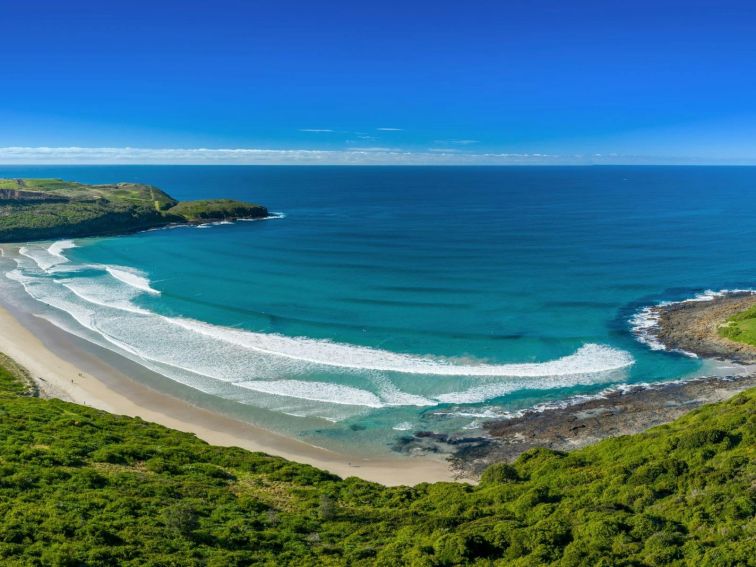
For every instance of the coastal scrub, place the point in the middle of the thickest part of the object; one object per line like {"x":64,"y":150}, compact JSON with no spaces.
{"x":79,"y":486}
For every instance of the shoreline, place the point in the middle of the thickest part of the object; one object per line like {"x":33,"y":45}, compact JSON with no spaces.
{"x":578,"y":423}
{"x":693,"y":327}
{"x":688,"y":327}
{"x":87,"y":379}
{"x":73,"y":369}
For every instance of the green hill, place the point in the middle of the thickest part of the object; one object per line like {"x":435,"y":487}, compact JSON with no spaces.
{"x":41,"y":209}
{"x":81,"y":487}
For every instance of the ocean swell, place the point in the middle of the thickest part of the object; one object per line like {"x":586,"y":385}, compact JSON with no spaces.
{"x":295,"y":375}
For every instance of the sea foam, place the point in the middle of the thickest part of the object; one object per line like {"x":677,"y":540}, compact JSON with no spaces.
{"x":645,"y":322}
{"x":588,"y":359}
{"x":279,"y":372}
{"x":132,"y":278}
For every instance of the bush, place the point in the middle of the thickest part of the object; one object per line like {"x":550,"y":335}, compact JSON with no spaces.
{"x":82,"y":487}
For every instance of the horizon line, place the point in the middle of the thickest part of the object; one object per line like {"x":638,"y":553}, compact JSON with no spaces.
{"x":77,"y":155}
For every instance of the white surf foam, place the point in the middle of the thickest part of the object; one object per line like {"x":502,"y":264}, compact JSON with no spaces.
{"x":590,"y":358}
{"x":276,"y":370}
{"x":271,"y":216}
{"x":133,"y":278}
{"x":98,"y":294}
{"x":57,"y":248}
{"x":44,"y":258}
{"x":645,"y":323}
{"x":315,"y":391}
{"x":212,"y":224}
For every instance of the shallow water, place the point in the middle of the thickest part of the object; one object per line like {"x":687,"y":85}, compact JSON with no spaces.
{"x":384,"y":300}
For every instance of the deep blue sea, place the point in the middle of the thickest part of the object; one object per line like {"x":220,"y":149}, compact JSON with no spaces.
{"x":383,"y":300}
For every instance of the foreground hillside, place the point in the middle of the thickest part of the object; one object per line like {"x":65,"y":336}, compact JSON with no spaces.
{"x":82,"y":487}
{"x":40,"y":209}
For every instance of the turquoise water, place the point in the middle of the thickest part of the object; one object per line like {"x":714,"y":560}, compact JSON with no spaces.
{"x":386,"y":300}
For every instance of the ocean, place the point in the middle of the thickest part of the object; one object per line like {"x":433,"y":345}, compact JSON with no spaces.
{"x":379,"y":301}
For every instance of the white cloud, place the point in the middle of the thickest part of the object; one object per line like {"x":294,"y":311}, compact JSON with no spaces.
{"x":351,"y":156}
{"x":315,"y":130}
{"x":242,"y":156}
{"x":390,"y":129}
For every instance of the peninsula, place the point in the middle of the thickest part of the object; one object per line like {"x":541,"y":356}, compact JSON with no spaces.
{"x":41,"y":209}
{"x":722,"y":327}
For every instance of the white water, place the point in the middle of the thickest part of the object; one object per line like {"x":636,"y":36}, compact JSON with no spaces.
{"x":295,"y":375}
{"x":645,"y":323}
{"x":132,"y":278}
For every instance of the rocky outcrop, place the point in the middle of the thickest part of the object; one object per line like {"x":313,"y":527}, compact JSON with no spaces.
{"x":569,"y":426}
{"x":693,"y":326}
{"x":690,"y":326}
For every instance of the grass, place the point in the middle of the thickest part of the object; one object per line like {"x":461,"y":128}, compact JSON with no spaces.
{"x":741,"y":327}
{"x":82,"y":487}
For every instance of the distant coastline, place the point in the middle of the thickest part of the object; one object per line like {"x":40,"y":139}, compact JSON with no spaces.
{"x":46,"y":209}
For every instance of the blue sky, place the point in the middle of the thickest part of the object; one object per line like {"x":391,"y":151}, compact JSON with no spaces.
{"x":526,"y":81}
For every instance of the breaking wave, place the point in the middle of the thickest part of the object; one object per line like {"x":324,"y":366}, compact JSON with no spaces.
{"x":294,"y":375}
{"x":132,"y":278}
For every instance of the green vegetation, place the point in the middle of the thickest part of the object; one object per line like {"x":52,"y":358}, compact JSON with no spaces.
{"x":35,"y":209}
{"x":82,"y":487}
{"x":741,"y":327}
{"x":207,"y":210}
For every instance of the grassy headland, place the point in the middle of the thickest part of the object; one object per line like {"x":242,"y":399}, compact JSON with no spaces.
{"x":721,"y":327}
{"x":40,"y":209}
{"x":741,"y":327}
{"x":80,"y":486}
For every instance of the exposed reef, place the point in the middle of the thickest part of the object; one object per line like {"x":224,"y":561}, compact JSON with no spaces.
{"x":693,"y":327}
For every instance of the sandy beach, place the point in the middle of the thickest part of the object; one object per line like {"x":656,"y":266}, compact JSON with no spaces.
{"x":65,"y":370}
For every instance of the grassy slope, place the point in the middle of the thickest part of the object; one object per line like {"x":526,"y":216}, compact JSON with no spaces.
{"x":132,"y":193}
{"x":89,"y":210}
{"x":82,"y":487}
{"x":741,"y":327}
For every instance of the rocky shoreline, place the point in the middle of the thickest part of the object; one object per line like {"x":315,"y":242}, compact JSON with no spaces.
{"x":693,"y":327}
{"x":689,"y":326}
{"x":620,"y":412}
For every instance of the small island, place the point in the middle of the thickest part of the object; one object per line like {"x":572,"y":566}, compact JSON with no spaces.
{"x":42,"y":209}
